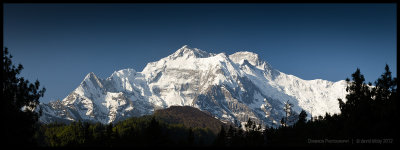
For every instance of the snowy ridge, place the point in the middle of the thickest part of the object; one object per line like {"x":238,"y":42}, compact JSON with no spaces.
{"x":232,"y":88}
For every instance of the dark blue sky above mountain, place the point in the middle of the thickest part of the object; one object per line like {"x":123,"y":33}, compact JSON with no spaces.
{"x":60,"y":43}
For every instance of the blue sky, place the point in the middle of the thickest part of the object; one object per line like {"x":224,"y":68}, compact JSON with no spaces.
{"x":60,"y":43}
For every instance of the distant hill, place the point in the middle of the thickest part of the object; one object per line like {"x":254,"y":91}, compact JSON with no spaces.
{"x":190,"y":117}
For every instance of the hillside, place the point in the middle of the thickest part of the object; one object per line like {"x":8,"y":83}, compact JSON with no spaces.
{"x":189,"y":117}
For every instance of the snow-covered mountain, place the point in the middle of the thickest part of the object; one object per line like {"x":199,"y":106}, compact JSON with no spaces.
{"x":231,"y":87}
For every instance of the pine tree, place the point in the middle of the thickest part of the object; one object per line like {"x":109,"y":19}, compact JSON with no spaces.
{"x":385,"y":107}
{"x":288,"y":111}
{"x":358,"y":99}
{"x":19,"y":102}
{"x":358,"y":111}
{"x":385,"y":86}
{"x":302,"y":118}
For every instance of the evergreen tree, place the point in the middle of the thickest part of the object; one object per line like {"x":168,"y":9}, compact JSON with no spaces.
{"x":368,"y":111}
{"x":385,"y":107}
{"x":385,"y":85}
{"x":302,"y":118}
{"x":20,"y":99}
{"x":288,"y":113}
{"x":358,"y":99}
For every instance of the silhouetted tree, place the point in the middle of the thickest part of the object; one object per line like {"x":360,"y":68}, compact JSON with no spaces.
{"x":385,"y":85}
{"x":369,"y":111}
{"x":302,"y":118}
{"x":359,"y":97}
{"x":385,"y":104}
{"x":19,"y":102}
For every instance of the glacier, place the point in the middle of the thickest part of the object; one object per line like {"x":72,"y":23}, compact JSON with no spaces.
{"x":233,"y":88}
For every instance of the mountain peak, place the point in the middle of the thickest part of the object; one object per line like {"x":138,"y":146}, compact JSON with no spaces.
{"x":246,"y":57}
{"x":185,"y":52}
{"x":92,"y":78}
{"x":185,"y":46}
{"x":123,"y":73}
{"x":90,"y":75}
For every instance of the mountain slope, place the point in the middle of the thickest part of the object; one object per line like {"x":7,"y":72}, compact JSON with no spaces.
{"x":232,"y":88}
{"x":190,"y":117}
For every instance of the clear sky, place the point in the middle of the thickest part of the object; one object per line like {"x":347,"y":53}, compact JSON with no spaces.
{"x":60,"y":43}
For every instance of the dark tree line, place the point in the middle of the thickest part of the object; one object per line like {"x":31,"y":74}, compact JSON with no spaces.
{"x":134,"y":132}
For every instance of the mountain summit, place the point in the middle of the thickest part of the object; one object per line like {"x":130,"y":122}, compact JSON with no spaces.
{"x":232,"y":88}
{"x":187,"y":52}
